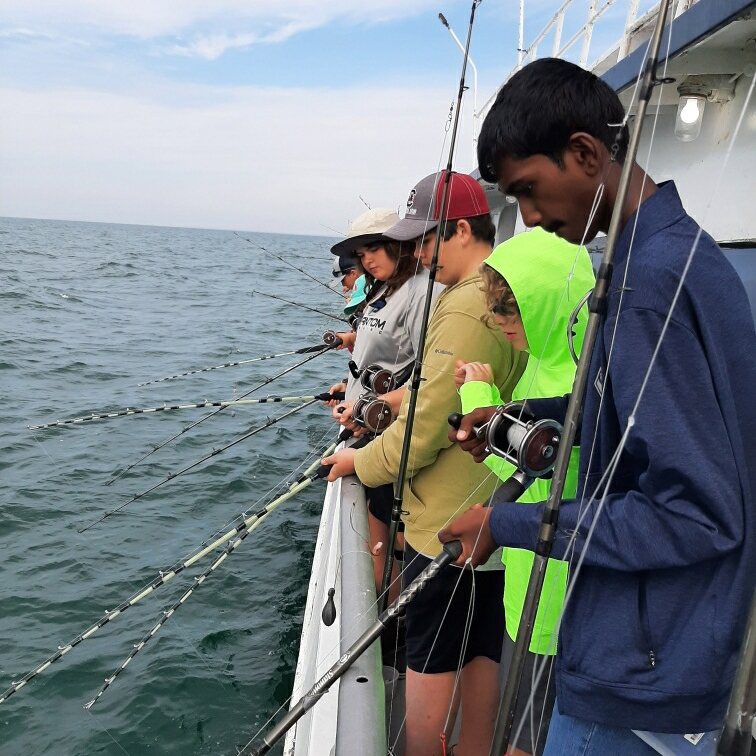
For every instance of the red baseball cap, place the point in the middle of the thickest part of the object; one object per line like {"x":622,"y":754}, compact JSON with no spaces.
{"x":464,"y":199}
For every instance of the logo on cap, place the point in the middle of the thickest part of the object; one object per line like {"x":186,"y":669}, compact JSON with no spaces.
{"x":411,"y":201}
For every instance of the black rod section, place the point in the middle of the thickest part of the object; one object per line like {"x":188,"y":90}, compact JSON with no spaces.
{"x":414,"y":387}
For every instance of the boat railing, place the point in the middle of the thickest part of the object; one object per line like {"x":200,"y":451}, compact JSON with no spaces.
{"x":636,"y":31}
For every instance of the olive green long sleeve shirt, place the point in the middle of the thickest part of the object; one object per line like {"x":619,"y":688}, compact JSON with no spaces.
{"x":442,"y":480}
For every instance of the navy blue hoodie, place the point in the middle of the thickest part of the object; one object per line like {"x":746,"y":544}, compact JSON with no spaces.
{"x":650,"y":638}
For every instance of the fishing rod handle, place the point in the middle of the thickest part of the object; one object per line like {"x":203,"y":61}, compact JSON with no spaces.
{"x":323,"y":470}
{"x":450,"y":553}
{"x":327,"y":397}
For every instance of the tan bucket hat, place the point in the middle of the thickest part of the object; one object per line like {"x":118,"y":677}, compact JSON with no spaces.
{"x":366,"y":228}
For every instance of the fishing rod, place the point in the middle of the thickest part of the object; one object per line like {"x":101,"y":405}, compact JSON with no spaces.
{"x":449,"y":554}
{"x":597,"y":305}
{"x":194,"y":464}
{"x":316,"y":471}
{"x":303,"y":350}
{"x":324,"y":397}
{"x":305,"y":479}
{"x":297,"y":304}
{"x":416,"y":378}
{"x":260,"y":385}
{"x":291,"y":265}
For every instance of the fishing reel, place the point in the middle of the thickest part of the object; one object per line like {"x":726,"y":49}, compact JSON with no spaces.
{"x":374,"y":378}
{"x":514,"y":435}
{"x":530,"y":445}
{"x":372,"y":413}
{"x":332,"y":339}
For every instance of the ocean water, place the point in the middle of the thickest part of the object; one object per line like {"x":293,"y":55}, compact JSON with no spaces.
{"x":87,"y":311}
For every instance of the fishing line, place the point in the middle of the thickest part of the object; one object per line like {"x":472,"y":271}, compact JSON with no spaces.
{"x":547,"y":527}
{"x":279,"y":486}
{"x":416,"y":379}
{"x":570,"y":551}
{"x":108,"y":733}
{"x":367,"y":638}
{"x":349,"y":629}
{"x":314,"y":472}
{"x":194,"y":464}
{"x":291,"y":265}
{"x":260,"y":385}
{"x":549,"y":659}
{"x":297,"y":304}
{"x":322,"y":397}
{"x":631,"y":419}
{"x":303,"y":350}
{"x":164,"y":576}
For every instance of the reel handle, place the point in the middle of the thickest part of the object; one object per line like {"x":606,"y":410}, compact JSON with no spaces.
{"x":455,"y":420}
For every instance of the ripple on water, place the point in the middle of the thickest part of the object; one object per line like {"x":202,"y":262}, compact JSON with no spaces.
{"x":74,"y":338}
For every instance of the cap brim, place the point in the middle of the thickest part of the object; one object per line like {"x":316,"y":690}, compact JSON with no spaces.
{"x":408,"y":229}
{"x":349,"y":245}
{"x":352,"y":306}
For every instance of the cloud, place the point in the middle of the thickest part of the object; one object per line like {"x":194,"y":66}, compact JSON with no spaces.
{"x":210,"y":27}
{"x":212,"y":47}
{"x":266,"y":158}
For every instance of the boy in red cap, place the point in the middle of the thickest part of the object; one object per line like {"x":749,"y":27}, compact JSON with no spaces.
{"x":457,"y":621}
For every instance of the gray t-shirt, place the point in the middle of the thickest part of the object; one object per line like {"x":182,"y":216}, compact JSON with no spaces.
{"x":389,"y":336}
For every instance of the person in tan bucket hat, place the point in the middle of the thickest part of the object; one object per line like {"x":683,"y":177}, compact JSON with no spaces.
{"x":366,"y":228}
{"x":386,"y":335}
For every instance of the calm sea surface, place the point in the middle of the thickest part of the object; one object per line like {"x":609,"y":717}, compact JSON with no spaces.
{"x":87,"y":311}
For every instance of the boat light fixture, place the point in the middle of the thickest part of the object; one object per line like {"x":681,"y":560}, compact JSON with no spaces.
{"x":690,"y":112}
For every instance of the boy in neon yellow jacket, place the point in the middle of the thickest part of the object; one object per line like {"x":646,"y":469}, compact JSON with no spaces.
{"x":532,"y":282}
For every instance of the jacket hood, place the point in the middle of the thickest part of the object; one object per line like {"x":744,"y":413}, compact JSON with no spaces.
{"x":548,"y":277}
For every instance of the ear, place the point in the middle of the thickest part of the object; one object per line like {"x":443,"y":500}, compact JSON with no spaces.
{"x":586,"y":153}
{"x":464,"y":231}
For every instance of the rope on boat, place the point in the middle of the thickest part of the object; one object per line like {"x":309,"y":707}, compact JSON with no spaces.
{"x":303,"y":350}
{"x":302,"y":482}
{"x":323,"y":397}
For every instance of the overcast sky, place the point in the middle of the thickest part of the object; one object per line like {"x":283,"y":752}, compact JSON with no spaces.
{"x":243,"y":114}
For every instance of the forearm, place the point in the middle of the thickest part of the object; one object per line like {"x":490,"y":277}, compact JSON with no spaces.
{"x":394,"y":398}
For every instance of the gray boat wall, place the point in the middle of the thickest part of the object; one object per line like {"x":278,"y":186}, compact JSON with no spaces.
{"x":350,"y":719}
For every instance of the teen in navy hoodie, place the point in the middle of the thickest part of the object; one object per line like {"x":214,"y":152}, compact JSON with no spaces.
{"x":650,"y":638}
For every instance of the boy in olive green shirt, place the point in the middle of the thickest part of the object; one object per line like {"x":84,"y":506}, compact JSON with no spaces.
{"x":445,"y":628}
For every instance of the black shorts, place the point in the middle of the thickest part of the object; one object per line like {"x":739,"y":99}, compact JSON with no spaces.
{"x":381,"y":502}
{"x":532,"y":721}
{"x":432,"y":650}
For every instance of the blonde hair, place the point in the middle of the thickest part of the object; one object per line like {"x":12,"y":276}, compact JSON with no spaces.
{"x":500,"y":298}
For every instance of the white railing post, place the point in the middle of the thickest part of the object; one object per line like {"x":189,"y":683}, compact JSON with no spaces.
{"x":521,"y":36}
{"x":588,"y":33}
{"x":558,"y":34}
{"x":632,"y":14}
